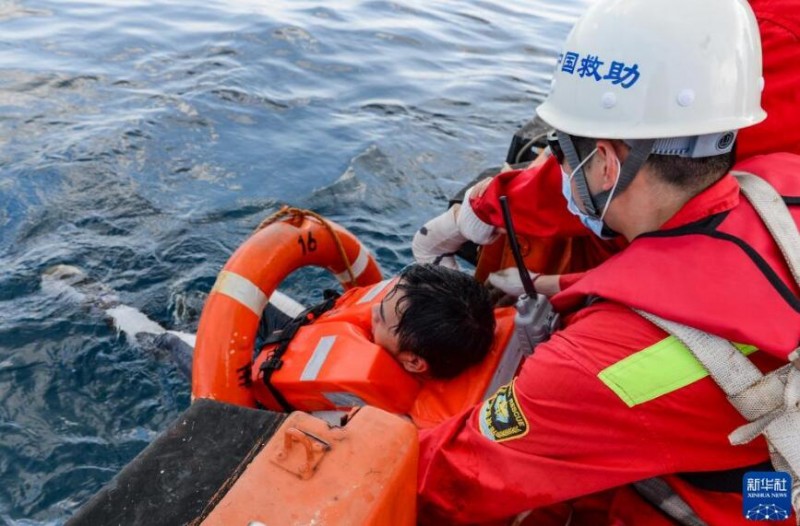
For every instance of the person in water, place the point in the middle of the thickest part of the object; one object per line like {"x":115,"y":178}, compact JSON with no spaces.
{"x":435,"y":322}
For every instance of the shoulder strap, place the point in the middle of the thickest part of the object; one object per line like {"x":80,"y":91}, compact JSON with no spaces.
{"x":773,"y":212}
{"x":771,"y":403}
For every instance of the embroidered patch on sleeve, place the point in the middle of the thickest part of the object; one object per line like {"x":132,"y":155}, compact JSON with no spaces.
{"x":501,"y":418}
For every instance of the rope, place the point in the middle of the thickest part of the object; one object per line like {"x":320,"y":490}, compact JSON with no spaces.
{"x":300,"y":213}
{"x":529,"y":144}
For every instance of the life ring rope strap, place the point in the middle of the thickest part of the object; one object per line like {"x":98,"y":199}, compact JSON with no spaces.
{"x":242,"y":290}
{"x":351,"y":271}
{"x":359,"y":266}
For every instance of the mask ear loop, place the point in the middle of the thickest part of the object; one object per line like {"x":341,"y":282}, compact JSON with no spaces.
{"x":613,"y":189}
{"x":580,"y":165}
{"x":637,"y":156}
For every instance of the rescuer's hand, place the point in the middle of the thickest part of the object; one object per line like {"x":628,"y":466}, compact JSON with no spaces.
{"x":509,"y":282}
{"x":442,"y":236}
{"x":439,"y":239}
{"x":480,"y":187}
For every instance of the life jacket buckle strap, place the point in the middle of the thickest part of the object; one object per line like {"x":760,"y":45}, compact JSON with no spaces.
{"x":771,"y":402}
{"x":272,"y":364}
{"x":275,"y":362}
{"x":763,"y":397}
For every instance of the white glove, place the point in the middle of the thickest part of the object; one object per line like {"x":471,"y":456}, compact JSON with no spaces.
{"x":470,"y":224}
{"x":508,"y":280}
{"x":438,"y":239}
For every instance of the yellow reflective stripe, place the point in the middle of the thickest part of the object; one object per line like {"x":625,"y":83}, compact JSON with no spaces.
{"x":660,"y":369}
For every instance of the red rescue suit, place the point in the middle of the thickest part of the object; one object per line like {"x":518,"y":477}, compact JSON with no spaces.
{"x":779,"y":26}
{"x":540,"y":212}
{"x":611,"y":399}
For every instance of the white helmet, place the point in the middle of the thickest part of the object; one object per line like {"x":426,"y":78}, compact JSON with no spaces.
{"x":651,"y":69}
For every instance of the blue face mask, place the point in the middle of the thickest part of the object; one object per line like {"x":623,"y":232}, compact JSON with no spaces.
{"x":595,"y":224}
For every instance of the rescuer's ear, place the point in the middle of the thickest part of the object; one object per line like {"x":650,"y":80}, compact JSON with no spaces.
{"x":413,"y":363}
{"x":610,"y":156}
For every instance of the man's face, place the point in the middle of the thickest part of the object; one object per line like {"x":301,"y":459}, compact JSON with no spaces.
{"x":385,"y":320}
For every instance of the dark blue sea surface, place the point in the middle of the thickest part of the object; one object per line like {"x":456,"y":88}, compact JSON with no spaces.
{"x":142,"y":141}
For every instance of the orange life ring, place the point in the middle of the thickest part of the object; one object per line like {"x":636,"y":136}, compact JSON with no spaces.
{"x":225,"y":337}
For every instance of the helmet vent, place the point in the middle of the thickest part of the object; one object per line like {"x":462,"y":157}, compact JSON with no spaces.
{"x":686,"y":97}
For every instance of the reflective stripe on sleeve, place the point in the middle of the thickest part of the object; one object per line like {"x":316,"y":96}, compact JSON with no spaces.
{"x":660,"y":369}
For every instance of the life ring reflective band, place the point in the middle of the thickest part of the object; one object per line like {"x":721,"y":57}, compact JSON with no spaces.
{"x":358,"y":267}
{"x":242,"y":290}
{"x":225,"y":336}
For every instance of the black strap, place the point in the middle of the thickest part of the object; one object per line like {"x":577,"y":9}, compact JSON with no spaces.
{"x":659,"y":494}
{"x":284,"y":337}
{"x":728,"y":481}
{"x":708,"y":226}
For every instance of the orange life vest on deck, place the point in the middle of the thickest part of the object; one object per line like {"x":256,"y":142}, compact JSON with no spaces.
{"x":333,"y":364}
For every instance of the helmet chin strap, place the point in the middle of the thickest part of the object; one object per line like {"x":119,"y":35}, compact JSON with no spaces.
{"x":596,"y":204}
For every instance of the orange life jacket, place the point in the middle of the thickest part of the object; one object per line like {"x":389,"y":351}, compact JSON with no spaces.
{"x":333,"y":364}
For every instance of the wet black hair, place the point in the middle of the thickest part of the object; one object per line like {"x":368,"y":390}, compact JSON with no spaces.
{"x":445,"y":317}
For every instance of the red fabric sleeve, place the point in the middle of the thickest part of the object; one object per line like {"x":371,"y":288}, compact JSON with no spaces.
{"x":537,"y":205}
{"x":567,"y":280}
{"x":779,"y":25}
{"x":581,"y":437}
